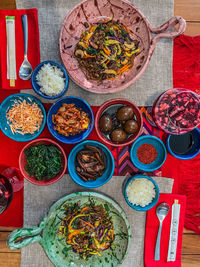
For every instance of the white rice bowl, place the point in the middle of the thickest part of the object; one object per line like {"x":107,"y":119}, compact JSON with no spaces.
{"x":140,"y":192}
{"x":50,"y":79}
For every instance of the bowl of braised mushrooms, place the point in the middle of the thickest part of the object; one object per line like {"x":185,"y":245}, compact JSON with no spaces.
{"x":91,"y":164}
{"x":118,"y":122}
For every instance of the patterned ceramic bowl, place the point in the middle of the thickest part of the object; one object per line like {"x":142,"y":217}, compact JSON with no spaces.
{"x":90,"y":12}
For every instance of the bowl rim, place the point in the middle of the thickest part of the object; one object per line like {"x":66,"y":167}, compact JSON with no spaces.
{"x":145,"y":137}
{"x":38,"y":67}
{"x":149,"y":206}
{"x":101,"y":145}
{"x":24,"y":173}
{"x":33,"y":136}
{"x":101,"y":110}
{"x":50,"y":120}
{"x":182,"y":156}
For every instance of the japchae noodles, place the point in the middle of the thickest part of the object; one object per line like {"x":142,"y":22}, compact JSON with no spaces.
{"x":88,"y":229}
{"x":106,"y":50}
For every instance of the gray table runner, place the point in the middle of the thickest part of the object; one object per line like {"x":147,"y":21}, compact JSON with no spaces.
{"x":158,"y":75}
{"x":156,"y":79}
{"x":38,"y":199}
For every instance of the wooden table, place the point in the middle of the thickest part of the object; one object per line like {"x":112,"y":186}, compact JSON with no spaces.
{"x":189,"y":10}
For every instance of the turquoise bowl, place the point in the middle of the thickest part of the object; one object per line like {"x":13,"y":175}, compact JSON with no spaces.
{"x":154,"y":201}
{"x":4,"y":124}
{"x":161,"y":153}
{"x":193,"y":152}
{"x":107,"y":175}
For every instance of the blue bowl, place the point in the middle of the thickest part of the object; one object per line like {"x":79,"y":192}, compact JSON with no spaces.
{"x":101,"y":180}
{"x":193,"y":152}
{"x":35,"y":85}
{"x":154,"y":201}
{"x":7,"y":105}
{"x":80,"y":103}
{"x":161,"y":153}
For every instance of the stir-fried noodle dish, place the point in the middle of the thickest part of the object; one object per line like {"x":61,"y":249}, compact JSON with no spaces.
{"x":88,"y":229}
{"x":106,"y":50}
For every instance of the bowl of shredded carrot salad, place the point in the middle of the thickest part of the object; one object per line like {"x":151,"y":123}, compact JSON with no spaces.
{"x":23,"y":117}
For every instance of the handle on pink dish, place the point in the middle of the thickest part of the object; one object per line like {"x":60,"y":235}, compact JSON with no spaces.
{"x":164,"y":31}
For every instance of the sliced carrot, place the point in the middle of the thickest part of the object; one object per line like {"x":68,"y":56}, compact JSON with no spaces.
{"x":106,"y":51}
{"x":84,"y":209}
{"x":107,"y":62}
{"x":87,"y":223}
{"x":127,"y":29}
{"x":93,"y":28}
{"x":87,"y":55}
{"x":75,"y":232}
{"x":122,"y":69}
{"x":112,"y":233}
{"x":116,"y":28}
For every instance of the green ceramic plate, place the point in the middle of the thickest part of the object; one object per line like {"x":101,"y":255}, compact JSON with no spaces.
{"x":58,"y":251}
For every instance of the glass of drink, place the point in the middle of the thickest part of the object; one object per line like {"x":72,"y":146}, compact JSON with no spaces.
{"x":9,"y":183}
{"x":177,"y":111}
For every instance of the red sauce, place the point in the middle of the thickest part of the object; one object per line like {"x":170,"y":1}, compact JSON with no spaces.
{"x":146,"y":153}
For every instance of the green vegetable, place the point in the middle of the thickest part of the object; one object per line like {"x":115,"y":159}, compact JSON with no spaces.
{"x":124,"y":33}
{"x":43,"y":161}
{"x":101,"y":27}
{"x":91,"y":51}
{"x":111,"y":32}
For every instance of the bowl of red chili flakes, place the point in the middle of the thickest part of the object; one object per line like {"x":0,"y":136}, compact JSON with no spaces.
{"x":148,"y":153}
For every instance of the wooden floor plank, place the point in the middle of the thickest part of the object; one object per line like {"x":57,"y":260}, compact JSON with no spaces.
{"x":188,"y":9}
{"x":192,"y":28}
{"x":7,"y":4}
{"x":191,"y":244}
{"x":10,"y":259}
{"x":190,"y":261}
{"x":3,"y":246}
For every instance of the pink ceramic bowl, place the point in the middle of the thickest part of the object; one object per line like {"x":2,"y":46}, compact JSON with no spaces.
{"x":114,"y":104}
{"x":23,"y":162}
{"x":89,"y":12}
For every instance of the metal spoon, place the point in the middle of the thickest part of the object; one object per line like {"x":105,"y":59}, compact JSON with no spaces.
{"x":26,"y":69}
{"x":161,"y":212}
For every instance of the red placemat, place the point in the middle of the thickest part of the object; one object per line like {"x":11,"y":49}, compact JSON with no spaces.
{"x":9,"y":156}
{"x":186,"y":174}
{"x":33,"y":45}
{"x":186,"y":63}
{"x":152,"y":225}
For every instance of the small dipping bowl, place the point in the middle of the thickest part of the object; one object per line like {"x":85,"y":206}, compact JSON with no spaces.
{"x":79,"y":103}
{"x":110,"y":107}
{"x":23,"y":162}
{"x":161,"y":153}
{"x":193,"y":149}
{"x":150,"y":205}
{"x":36,"y":86}
{"x":109,"y":161}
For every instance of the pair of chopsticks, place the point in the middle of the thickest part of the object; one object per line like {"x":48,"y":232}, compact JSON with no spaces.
{"x":11,"y":55}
